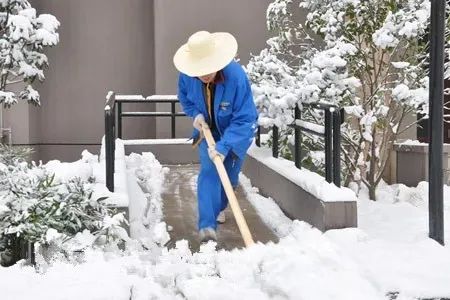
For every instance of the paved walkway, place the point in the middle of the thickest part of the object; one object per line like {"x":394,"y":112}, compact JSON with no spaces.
{"x":180,"y":212}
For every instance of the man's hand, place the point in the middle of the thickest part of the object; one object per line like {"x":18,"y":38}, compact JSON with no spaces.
{"x":198,"y":121}
{"x":212,"y":152}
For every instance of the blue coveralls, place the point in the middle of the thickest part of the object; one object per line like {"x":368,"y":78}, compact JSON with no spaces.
{"x":235,"y":119}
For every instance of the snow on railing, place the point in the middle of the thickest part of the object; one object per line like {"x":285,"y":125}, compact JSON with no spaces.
{"x":319,"y":129}
{"x":126,"y":98}
{"x":130,"y":97}
{"x":331,"y":132}
{"x":163,"y":97}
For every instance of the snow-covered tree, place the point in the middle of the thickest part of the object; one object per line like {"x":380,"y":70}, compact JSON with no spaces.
{"x":370,"y":58}
{"x":23,"y":38}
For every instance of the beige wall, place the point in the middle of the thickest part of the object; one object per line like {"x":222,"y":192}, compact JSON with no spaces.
{"x":176,"y":20}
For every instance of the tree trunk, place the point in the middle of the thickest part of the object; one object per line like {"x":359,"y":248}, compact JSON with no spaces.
{"x":372,"y":195}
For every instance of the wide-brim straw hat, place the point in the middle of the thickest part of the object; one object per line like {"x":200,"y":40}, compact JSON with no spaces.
{"x":205,"y":53}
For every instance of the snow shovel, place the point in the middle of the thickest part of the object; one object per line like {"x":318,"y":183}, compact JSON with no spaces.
{"x":234,"y":204}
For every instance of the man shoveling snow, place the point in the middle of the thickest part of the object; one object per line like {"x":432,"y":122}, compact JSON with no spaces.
{"x":213,"y":88}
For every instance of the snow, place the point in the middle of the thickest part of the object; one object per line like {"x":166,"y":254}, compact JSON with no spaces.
{"x":389,"y":252}
{"x":410,"y":142}
{"x":130,"y":97}
{"x":157,"y":142}
{"x":145,"y":179}
{"x":65,"y":171}
{"x":266,"y":208}
{"x":149,"y":98}
{"x":21,"y":27}
{"x":109,"y":95}
{"x":23,"y":39}
{"x":400,"y":64}
{"x":311,"y":126}
{"x":401,"y":92}
{"x":120,"y":196}
{"x":162,"y":97}
{"x":7,"y":97}
{"x":311,"y":182}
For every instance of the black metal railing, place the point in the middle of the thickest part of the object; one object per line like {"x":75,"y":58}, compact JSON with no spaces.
{"x":331,"y":133}
{"x":114,"y":113}
{"x":173,"y":114}
{"x":110,"y":137}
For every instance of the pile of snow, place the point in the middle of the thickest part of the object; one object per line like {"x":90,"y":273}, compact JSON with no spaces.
{"x":82,"y":168}
{"x":90,"y":168}
{"x":145,"y":179}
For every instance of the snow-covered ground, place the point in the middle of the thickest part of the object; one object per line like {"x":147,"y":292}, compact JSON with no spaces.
{"x":389,"y":252}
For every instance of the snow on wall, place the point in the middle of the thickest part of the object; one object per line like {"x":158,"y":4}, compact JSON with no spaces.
{"x":311,"y":182}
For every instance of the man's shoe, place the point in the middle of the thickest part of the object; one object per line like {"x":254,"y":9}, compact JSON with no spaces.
{"x":221,"y":217}
{"x":207,"y":234}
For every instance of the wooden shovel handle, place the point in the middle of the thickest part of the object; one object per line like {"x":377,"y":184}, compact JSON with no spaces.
{"x":234,"y":204}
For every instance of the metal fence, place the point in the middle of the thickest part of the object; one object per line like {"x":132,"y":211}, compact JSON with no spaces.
{"x":114,"y":114}
{"x":331,"y":133}
{"x":125,"y":99}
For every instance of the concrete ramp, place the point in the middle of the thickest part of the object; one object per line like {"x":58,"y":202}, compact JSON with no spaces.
{"x":180,"y":212}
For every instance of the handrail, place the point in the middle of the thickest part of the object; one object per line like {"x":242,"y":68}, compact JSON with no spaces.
{"x":331,"y":132}
{"x":172,"y":99}
{"x":113,"y":110}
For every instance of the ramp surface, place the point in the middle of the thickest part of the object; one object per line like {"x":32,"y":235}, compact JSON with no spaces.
{"x":180,"y":212}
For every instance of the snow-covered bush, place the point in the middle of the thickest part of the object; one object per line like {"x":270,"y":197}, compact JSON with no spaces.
{"x":368,"y":57}
{"x":36,"y":208}
{"x":12,"y":154}
{"x":23,"y":37}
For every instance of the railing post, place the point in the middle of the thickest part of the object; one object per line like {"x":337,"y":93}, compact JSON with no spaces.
{"x":108,"y":171}
{"x":337,"y":147}
{"x":436,"y":100}
{"x":275,"y":141}
{"x":119,"y":119}
{"x":297,"y":139}
{"x":113,"y":139}
{"x":173,"y":119}
{"x":110,"y":142}
{"x":328,"y":146}
{"x":258,"y":136}
{"x":31,"y":253}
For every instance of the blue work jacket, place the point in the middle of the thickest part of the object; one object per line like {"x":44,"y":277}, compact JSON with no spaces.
{"x":235,"y":113}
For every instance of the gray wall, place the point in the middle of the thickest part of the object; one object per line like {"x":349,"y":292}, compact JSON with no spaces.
{"x":176,"y":20}
{"x":104,"y":45}
{"x":125,"y":46}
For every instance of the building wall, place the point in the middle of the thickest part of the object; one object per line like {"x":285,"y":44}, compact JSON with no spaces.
{"x":104,"y":45}
{"x":125,"y":46}
{"x":176,"y":20}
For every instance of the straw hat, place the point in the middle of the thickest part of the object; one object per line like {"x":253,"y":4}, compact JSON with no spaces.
{"x":205,"y":53}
